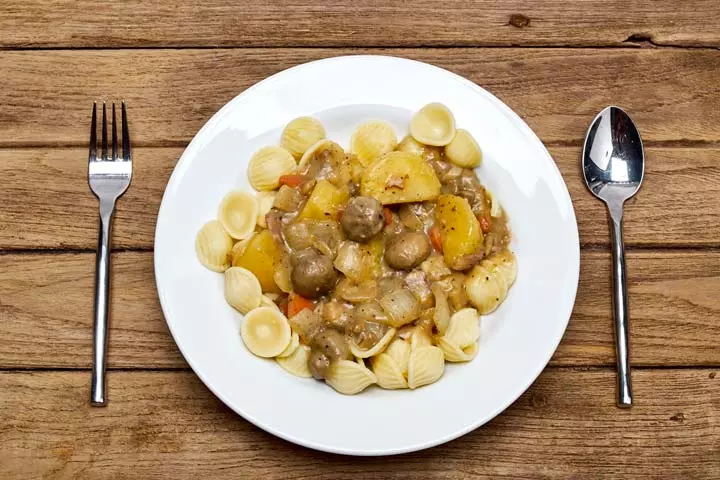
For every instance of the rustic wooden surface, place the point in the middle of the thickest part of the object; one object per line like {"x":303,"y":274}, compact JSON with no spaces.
{"x":556,"y":63}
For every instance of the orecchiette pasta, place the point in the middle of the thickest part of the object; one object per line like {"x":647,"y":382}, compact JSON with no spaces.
{"x":434,"y":125}
{"x":426,"y":366}
{"x":238,"y":213}
{"x":349,"y":377}
{"x":488,"y":283}
{"x":265,"y":202}
{"x":300,"y":134}
{"x":213,"y":246}
{"x":292,"y":346}
{"x":332,"y":149}
{"x":242,"y":289}
{"x":266,"y":332}
{"x":379,"y":347}
{"x":267,"y":165}
{"x":463,"y":150}
{"x":265,"y":301}
{"x":372,"y":139}
{"x":388,"y":373}
{"x":297,"y":362}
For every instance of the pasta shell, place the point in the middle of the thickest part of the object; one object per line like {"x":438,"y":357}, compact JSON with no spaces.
{"x":379,"y":347}
{"x":238,"y":213}
{"x":292,"y":346}
{"x":433,"y":125}
{"x":453,"y":353}
{"x":463,"y":150}
{"x":266,"y":332}
{"x":464,"y":328}
{"x":420,"y":338}
{"x":388,"y":373}
{"x":242,"y":289}
{"x":335,"y":150}
{"x":488,"y":283}
{"x":372,"y":139}
{"x":265,"y":202}
{"x":267,"y":165}
{"x":297,"y":362}
{"x":300,"y":134}
{"x":213,"y":246}
{"x":399,"y":350}
{"x":349,"y":377}
{"x":426,"y":366}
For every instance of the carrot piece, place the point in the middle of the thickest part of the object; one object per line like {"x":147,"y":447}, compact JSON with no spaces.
{"x":435,"y":239}
{"x":484,"y":224}
{"x":298,"y":303}
{"x":388,"y":216}
{"x":291,"y":180}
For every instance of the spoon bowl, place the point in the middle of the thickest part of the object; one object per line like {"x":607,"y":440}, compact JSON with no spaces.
{"x":613,"y":164}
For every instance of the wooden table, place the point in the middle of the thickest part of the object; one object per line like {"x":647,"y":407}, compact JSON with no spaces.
{"x":555,"y":63}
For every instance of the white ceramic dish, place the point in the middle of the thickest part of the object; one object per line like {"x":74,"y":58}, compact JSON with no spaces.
{"x":516,"y":341}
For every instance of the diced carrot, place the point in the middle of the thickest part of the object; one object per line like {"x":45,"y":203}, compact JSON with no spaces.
{"x":291,"y":180}
{"x":435,"y":239}
{"x":298,"y":303}
{"x":388,"y":216}
{"x":484,"y":224}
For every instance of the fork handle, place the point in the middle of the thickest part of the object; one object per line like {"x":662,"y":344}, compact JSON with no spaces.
{"x":102,"y":290}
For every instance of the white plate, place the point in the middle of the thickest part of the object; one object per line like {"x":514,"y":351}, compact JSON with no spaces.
{"x":516,"y":341}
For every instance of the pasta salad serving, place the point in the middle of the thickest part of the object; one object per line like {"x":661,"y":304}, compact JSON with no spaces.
{"x":370,"y":265}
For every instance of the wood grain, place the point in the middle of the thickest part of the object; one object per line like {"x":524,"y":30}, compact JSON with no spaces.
{"x":284,"y":23}
{"x":168,"y":425}
{"x":672,"y":94}
{"x":46,"y":312}
{"x":679,"y":203}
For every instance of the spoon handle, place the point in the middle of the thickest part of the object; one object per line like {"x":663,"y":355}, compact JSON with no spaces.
{"x":620,"y":306}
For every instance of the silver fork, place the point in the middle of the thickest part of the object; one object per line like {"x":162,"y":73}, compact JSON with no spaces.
{"x":109,"y":177}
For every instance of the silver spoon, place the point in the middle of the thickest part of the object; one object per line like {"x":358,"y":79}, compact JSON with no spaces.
{"x":613,"y":165}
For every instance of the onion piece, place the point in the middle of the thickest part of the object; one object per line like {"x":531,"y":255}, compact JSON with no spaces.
{"x":441,"y":315}
{"x":401,"y":306}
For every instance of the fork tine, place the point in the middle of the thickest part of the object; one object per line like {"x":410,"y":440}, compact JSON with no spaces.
{"x":93,"y":135}
{"x":104,"y":135}
{"x":114,"y":135}
{"x":127,"y":153}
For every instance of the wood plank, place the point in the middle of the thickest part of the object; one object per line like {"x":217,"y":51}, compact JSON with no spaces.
{"x":46,"y":312}
{"x":672,"y":94}
{"x":185,"y":23}
{"x":678,"y":181}
{"x":168,"y":425}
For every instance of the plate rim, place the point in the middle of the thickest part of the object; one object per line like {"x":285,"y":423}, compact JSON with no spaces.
{"x":193,"y":146}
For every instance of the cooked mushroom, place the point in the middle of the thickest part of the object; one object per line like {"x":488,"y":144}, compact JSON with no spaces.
{"x":363,"y":219}
{"x":318,"y":363}
{"x":313,"y":275}
{"x":407,"y":250}
{"x":332,"y":343}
